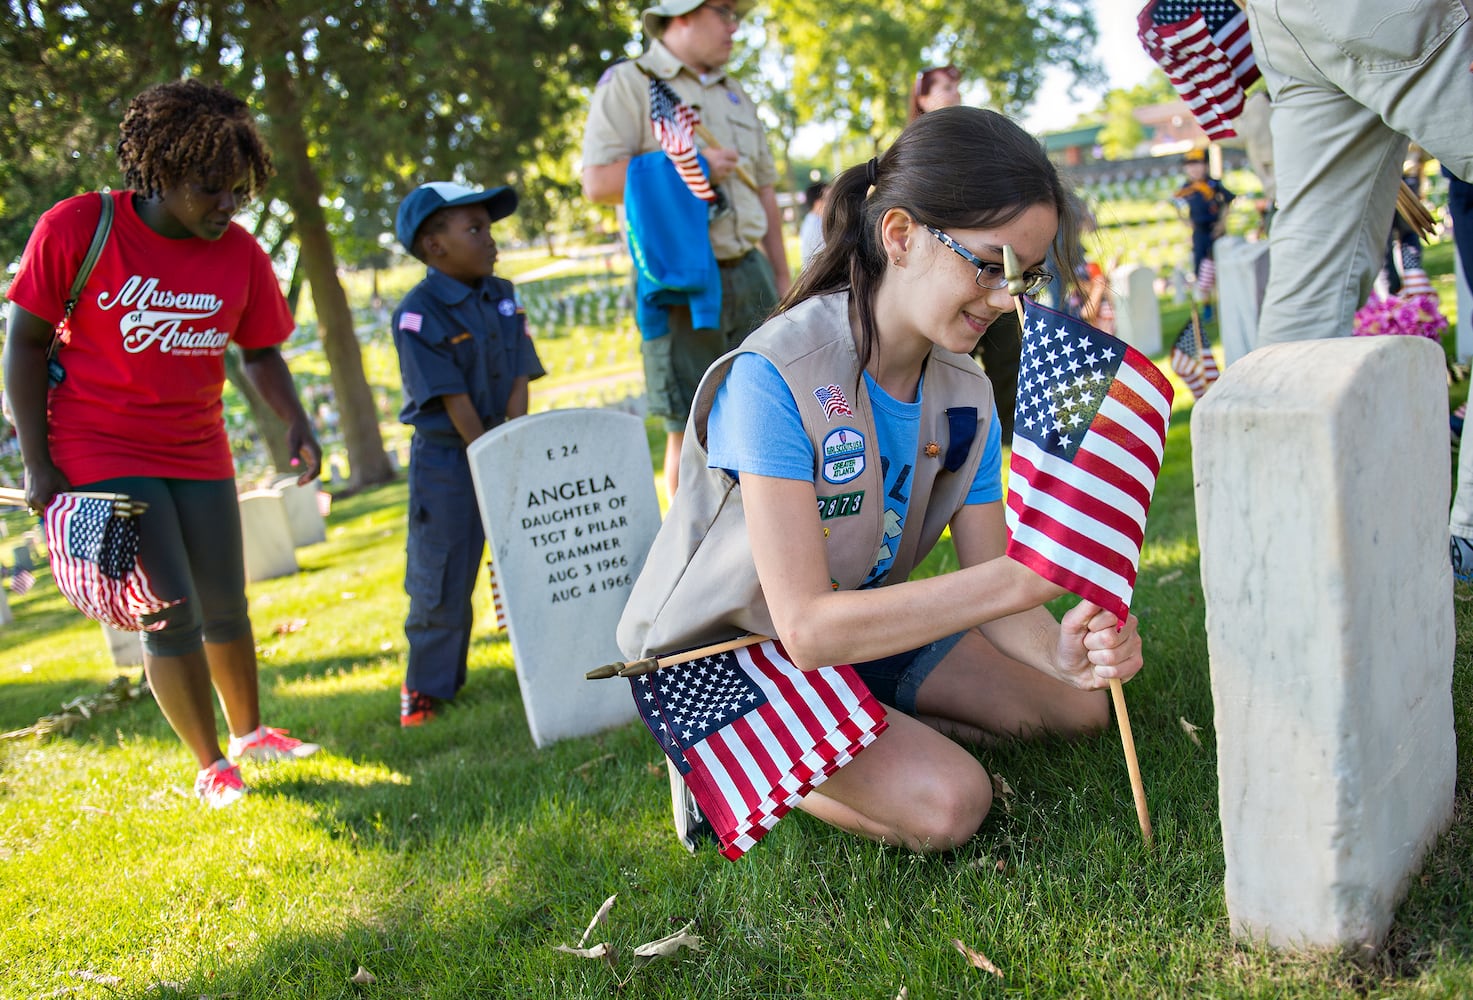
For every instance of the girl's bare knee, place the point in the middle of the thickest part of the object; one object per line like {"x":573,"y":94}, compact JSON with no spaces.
{"x":950,"y":813}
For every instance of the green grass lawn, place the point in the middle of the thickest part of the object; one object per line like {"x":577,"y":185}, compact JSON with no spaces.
{"x":450,"y":861}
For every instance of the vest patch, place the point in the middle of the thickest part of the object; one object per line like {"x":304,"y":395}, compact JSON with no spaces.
{"x":840,"y":505}
{"x":843,"y":455}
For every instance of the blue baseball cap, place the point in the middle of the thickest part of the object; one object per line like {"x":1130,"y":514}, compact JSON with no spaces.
{"x":427,"y":199}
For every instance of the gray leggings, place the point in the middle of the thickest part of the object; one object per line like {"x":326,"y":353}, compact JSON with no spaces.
{"x":189,"y":545}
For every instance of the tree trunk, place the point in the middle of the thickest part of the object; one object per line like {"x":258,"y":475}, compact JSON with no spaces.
{"x":271,"y":427}
{"x":357,"y":414}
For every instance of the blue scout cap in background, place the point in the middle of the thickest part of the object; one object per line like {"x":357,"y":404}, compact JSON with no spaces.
{"x":427,"y":199}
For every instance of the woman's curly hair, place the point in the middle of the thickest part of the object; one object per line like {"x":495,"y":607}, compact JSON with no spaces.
{"x":188,"y":130}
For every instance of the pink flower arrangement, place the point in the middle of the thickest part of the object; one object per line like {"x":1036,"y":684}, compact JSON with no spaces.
{"x":1409,"y":315}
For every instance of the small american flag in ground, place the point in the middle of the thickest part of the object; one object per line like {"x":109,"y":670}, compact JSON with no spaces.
{"x":1088,"y":434}
{"x":1206,"y":278}
{"x":94,"y":561}
{"x":1192,"y":359}
{"x":833,"y":401}
{"x":1205,"y":49}
{"x":752,"y":734}
{"x":675,"y":124}
{"x":22,"y":581}
{"x":324,"y":502}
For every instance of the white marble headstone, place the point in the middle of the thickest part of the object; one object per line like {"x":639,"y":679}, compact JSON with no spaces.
{"x":6,"y":615}
{"x":303,"y":516}
{"x":1137,"y":310}
{"x":1242,"y":275}
{"x":125,"y":648}
{"x":267,"y":535}
{"x":1322,"y":493}
{"x":568,"y":501}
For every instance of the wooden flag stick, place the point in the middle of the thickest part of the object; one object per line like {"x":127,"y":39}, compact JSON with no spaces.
{"x":635,"y":668}
{"x":710,"y":140}
{"x":1137,"y":787}
{"x":13,"y":497}
{"x":1013,"y":271}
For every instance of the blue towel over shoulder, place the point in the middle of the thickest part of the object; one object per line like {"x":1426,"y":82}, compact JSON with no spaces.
{"x":670,"y":241}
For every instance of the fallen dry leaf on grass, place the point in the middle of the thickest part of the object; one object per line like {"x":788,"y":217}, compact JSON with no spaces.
{"x":978,"y":959}
{"x":598,"y":918}
{"x":363,"y":977}
{"x":670,"y":944}
{"x":904,"y":994}
{"x":97,"y":977}
{"x":601,"y":950}
{"x":287,"y":627}
{"x":1190,"y":730}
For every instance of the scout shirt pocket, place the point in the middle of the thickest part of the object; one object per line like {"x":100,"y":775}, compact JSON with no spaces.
{"x":746,"y":141}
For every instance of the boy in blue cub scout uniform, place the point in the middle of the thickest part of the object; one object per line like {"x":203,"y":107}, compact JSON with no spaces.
{"x":465,"y":360}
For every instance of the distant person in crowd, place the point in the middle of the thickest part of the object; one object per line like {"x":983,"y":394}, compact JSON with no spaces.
{"x":935,"y":87}
{"x":1203,"y":200}
{"x":465,"y":362}
{"x":690,"y":42}
{"x":1349,"y":87}
{"x":137,"y":408}
{"x":999,"y":351}
{"x":810,"y":233}
{"x":883,"y":321}
{"x":1403,"y":244}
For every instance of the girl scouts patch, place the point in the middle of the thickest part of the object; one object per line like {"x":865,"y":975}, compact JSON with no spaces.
{"x":843,"y":455}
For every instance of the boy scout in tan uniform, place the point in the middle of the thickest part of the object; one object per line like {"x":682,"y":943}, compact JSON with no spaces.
{"x":690,"y":43}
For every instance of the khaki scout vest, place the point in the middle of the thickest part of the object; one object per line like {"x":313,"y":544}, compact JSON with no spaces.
{"x":699,"y":584}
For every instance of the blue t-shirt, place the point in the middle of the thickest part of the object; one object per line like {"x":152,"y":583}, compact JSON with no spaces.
{"x":755,"y":427}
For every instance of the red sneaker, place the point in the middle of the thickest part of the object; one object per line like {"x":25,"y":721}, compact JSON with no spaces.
{"x":415,"y":709}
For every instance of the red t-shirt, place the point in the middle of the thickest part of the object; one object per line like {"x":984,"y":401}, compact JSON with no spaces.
{"x":145,"y":352}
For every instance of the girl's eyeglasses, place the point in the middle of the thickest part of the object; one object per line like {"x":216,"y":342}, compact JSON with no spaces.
{"x":989,"y":275}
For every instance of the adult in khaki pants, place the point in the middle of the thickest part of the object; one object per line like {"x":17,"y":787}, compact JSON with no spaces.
{"x":1351,"y":81}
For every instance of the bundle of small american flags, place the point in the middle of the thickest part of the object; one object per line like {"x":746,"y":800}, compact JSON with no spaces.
{"x":674,"y":124}
{"x":1206,"y":51}
{"x":93,"y":543}
{"x":751,"y":734}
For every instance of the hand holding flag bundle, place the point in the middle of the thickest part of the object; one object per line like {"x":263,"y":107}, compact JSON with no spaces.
{"x":93,"y":541}
{"x":751,"y":734}
{"x":674,"y":123}
{"x":1206,"y":51}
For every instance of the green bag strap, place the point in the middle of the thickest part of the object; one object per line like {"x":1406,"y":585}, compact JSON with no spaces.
{"x":99,"y":239}
{"x":94,"y":251}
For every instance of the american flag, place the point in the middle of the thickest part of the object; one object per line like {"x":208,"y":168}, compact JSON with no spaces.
{"x":675,"y":123}
{"x":1192,"y":359}
{"x":1205,"y":49}
{"x":1206,"y":278}
{"x":1088,"y":434}
{"x":496,"y":604}
{"x":22,"y":581}
{"x":833,"y":401}
{"x":752,"y":734}
{"x":324,"y":502}
{"x":411,"y":321}
{"x":94,"y":561}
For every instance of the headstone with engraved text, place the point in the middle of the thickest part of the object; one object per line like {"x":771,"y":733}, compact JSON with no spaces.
{"x":568,"y":501}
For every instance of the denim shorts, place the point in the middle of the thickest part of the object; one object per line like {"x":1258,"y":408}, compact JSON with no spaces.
{"x":895,"y":680}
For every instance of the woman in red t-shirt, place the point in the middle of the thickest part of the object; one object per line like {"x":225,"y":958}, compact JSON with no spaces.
{"x":138,"y":410}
